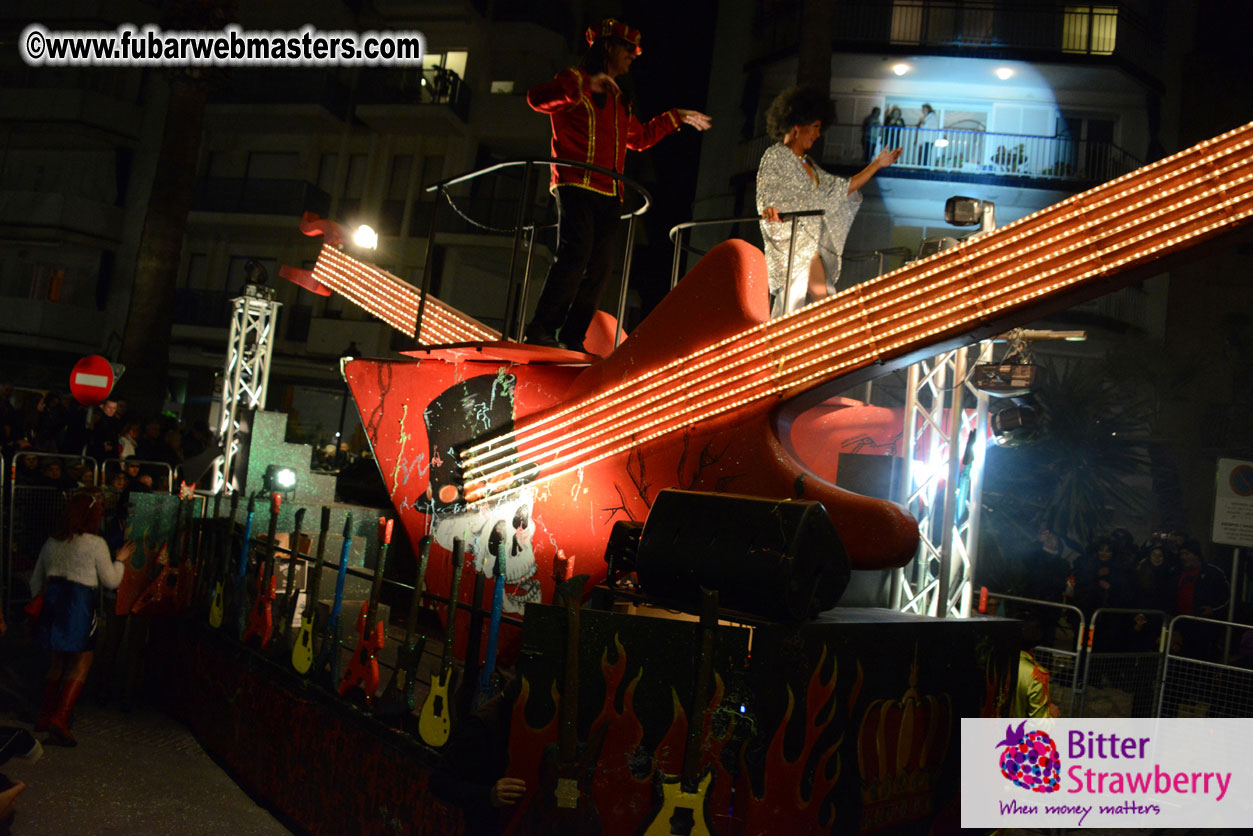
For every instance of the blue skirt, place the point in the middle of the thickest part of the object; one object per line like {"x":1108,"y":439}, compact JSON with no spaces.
{"x":68,"y":618}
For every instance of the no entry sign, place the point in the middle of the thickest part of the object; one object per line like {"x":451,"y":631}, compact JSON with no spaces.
{"x":91,"y":380}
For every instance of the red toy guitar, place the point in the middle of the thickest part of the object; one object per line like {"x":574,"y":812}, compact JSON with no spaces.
{"x":261,"y":618}
{"x":363,"y":667}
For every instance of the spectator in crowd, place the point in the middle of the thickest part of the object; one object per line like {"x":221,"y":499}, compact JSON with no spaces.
{"x":28,"y":470}
{"x":128,"y":441}
{"x":55,"y":477}
{"x":1031,"y":699}
{"x":136,"y":478}
{"x":1100,"y":581}
{"x":1155,"y":579}
{"x":1201,"y":587}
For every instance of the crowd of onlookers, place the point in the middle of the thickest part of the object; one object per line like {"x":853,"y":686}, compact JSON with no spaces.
{"x":1150,"y":582}
{"x":39,"y":430}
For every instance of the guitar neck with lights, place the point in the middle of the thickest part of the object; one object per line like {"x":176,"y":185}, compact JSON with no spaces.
{"x":395,"y":301}
{"x":999,"y":279}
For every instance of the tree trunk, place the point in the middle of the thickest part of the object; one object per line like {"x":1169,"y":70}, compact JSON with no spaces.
{"x":146,"y":342}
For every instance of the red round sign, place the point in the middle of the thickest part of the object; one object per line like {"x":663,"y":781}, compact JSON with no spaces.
{"x":91,"y":380}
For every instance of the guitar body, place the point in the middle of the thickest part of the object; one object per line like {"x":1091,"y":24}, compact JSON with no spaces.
{"x":417,"y":413}
{"x":681,"y":813}
{"x":302,"y":647}
{"x":435,"y":719}
{"x":261,"y":619}
{"x":363,"y":668}
{"x":217,"y":605}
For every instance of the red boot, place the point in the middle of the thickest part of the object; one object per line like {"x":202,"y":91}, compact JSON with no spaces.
{"x":59,"y":722}
{"x":52,"y":695}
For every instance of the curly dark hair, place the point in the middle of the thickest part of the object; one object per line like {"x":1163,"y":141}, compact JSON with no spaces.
{"x":798,"y":106}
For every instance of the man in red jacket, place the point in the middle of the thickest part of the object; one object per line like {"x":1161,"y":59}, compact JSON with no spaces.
{"x":594,"y":123}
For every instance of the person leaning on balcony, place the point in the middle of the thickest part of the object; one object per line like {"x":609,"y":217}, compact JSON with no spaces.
{"x":926,"y":138}
{"x":789,"y":181}
{"x":594,"y":122}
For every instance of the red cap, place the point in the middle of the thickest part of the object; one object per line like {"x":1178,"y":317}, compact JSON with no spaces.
{"x":611,"y":28}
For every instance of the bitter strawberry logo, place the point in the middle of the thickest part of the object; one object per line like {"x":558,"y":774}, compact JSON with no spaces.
{"x":1030,"y":760}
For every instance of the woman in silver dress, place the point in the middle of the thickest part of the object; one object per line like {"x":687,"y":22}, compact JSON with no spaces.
{"x":789,"y":181}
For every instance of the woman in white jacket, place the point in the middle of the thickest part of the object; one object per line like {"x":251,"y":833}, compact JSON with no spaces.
{"x":72,"y":564}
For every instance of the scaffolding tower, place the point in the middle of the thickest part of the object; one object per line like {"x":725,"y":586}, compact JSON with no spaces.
{"x":946,"y":423}
{"x":245,"y":378}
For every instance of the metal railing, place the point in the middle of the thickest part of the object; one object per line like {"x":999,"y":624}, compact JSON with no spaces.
{"x":515,"y":306}
{"x":1199,"y":678}
{"x":1062,"y":663}
{"x":144,"y":464}
{"x":1122,"y":669}
{"x":967,"y":152}
{"x":676,"y":235}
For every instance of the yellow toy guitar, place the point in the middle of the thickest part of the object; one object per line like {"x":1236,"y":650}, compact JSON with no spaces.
{"x":435,"y":719}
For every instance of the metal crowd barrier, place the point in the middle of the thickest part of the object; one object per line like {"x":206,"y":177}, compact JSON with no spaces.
{"x":143,"y":463}
{"x":33,"y":511}
{"x":1062,"y":663}
{"x":1122,"y":668}
{"x":1205,"y":673}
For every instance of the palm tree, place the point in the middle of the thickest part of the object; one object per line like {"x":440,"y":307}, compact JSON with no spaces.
{"x":146,"y":341}
{"x":1092,"y":448}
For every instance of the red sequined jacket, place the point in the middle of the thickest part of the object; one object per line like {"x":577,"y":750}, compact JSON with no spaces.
{"x":597,"y":135}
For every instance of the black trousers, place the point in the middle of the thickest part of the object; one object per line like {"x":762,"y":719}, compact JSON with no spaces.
{"x":587,"y":232}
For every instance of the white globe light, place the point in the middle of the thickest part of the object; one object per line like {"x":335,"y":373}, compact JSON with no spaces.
{"x":366,"y":237}
{"x":900,"y":69}
{"x":1004,"y":73}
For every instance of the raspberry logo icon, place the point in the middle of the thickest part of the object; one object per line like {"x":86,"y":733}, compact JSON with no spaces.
{"x":1030,"y":759}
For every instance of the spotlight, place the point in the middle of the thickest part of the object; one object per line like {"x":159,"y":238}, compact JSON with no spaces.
{"x":365,"y":237}
{"x":1007,"y":380}
{"x":1015,"y":426}
{"x":1004,"y":73}
{"x":900,"y":69}
{"x":970,"y":211}
{"x":279,"y":479}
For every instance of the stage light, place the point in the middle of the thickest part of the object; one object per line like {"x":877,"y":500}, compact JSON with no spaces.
{"x":1007,"y":380}
{"x":365,"y":237}
{"x":279,"y":479}
{"x":900,"y":69}
{"x":1015,"y":426}
{"x":1004,"y":73}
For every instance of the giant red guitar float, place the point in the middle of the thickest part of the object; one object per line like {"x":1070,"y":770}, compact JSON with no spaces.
{"x":709,"y":394}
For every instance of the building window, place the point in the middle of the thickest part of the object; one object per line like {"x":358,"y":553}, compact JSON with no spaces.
{"x":1090,"y":30}
{"x":327,"y":165}
{"x":907,"y":21}
{"x":502,"y":87}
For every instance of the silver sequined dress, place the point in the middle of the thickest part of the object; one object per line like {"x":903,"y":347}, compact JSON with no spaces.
{"x":783,"y":183}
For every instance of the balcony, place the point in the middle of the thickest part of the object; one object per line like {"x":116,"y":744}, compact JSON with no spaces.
{"x":280,"y":101}
{"x":259,"y":197}
{"x":432,"y":100}
{"x":1034,"y":30}
{"x":100,"y":222}
{"x":971,"y":156}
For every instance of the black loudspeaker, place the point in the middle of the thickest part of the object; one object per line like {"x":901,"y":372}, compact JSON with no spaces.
{"x":779,"y":559}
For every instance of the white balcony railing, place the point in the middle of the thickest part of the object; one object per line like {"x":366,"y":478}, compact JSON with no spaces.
{"x":948,"y":150}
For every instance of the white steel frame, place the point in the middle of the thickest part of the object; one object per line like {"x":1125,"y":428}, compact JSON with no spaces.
{"x":247,"y":374}
{"x":942,"y":410}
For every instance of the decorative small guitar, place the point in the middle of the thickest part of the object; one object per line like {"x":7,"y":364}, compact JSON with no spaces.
{"x":435,"y":719}
{"x":207,"y":555}
{"x":237,"y":613}
{"x":563,"y":802}
{"x":363,"y":667}
{"x":488,"y":680}
{"x":261,"y":619}
{"x":159,"y":597}
{"x":302,"y":646}
{"x":217,"y":606}
{"x":396,"y":703}
{"x":683,"y":808}
{"x":326,"y":668}
{"x":280,"y":647}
